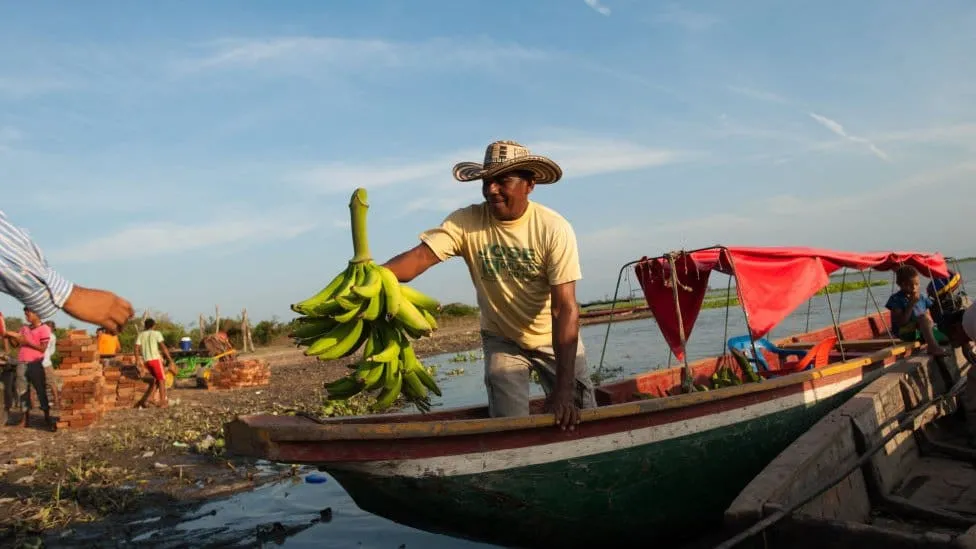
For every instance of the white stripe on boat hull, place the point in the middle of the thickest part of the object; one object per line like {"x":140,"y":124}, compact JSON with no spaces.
{"x":496,"y":460}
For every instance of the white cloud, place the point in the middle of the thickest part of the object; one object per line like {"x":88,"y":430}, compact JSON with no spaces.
{"x":163,"y":238}
{"x":596,"y":5}
{"x":25,"y":85}
{"x":686,"y":19}
{"x":839,"y":130}
{"x":761,"y":95}
{"x":307,"y":53}
{"x":586,"y":157}
{"x":578,"y":158}
{"x":962,"y":134}
{"x":10,"y":134}
{"x":338,"y":177}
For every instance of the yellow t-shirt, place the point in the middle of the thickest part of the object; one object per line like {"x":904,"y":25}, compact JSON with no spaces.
{"x":108,"y":344}
{"x":512,"y":265}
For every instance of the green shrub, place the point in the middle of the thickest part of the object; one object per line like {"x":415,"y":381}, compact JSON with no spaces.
{"x":458,"y":310}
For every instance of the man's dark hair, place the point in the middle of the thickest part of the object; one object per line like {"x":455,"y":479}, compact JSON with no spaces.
{"x":149,"y":323}
{"x":905,"y":273}
{"x":50,"y":324}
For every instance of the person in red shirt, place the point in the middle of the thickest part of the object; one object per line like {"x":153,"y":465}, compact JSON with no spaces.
{"x":32,"y":339}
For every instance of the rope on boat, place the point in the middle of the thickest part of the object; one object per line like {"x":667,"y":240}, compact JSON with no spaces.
{"x":688,"y":382}
{"x":906,"y":423}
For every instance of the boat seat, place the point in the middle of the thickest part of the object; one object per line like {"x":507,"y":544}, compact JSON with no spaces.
{"x":743,"y":344}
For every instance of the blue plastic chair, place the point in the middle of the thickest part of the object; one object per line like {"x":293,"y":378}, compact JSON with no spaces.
{"x":743,"y":344}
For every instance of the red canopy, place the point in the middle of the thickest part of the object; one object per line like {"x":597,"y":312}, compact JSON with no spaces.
{"x":771,"y":282}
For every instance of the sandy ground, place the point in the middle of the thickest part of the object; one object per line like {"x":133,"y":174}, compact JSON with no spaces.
{"x":141,"y":460}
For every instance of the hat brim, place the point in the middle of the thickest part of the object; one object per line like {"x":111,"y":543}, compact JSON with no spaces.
{"x":545,"y":170}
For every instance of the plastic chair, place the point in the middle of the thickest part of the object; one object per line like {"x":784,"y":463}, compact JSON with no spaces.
{"x":743,"y":344}
{"x":816,"y":357}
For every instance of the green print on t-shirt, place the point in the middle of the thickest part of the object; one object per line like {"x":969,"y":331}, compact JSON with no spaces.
{"x":508,"y":262}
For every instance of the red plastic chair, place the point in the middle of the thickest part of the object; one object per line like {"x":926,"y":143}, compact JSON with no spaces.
{"x":816,"y":357}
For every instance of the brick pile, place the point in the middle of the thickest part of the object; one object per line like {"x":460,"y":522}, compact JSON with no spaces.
{"x":83,"y":386}
{"x":125,"y":384}
{"x":234,"y":374}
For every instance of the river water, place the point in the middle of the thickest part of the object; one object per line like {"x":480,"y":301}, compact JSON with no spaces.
{"x":299,"y":514}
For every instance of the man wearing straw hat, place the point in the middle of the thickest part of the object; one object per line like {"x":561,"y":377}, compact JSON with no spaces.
{"x":524,"y":264}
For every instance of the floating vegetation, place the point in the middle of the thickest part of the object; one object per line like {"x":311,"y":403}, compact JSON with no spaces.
{"x":465,"y":357}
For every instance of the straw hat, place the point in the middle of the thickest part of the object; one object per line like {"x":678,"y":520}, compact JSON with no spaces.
{"x":503,"y":156}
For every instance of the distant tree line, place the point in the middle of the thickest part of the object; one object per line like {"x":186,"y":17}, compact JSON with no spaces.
{"x":263,"y":333}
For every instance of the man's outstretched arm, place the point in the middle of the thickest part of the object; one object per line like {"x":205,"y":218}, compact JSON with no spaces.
{"x":26,"y":275}
{"x":412,"y":263}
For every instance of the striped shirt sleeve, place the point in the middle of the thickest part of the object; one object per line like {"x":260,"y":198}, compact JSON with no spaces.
{"x":26,"y":275}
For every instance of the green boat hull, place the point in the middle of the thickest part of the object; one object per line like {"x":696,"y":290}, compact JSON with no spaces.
{"x":657,"y":493}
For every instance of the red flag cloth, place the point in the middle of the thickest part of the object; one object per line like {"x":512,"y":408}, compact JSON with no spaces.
{"x":771,"y":282}
{"x":654,"y":277}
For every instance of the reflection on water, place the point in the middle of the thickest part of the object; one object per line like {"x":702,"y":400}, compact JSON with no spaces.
{"x":297,"y":514}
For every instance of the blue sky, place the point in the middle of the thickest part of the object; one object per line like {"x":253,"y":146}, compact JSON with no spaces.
{"x":187,"y":154}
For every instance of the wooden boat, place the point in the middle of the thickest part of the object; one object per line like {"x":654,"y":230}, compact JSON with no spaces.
{"x":889,"y":468}
{"x":651,"y":462}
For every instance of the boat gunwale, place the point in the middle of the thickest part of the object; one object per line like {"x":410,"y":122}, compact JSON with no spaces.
{"x":307,"y":429}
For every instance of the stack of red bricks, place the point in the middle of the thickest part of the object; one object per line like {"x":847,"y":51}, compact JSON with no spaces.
{"x":234,"y":374}
{"x":124,"y":383}
{"x":82,"y":391}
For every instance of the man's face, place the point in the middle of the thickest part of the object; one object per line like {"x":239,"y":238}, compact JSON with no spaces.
{"x":507,"y":195}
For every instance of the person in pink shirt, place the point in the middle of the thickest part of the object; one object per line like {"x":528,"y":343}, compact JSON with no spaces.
{"x":32,"y":339}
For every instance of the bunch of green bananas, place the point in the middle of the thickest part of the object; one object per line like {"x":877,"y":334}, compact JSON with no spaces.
{"x":366,"y":306}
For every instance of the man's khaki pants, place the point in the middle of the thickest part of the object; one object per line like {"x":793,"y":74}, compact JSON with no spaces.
{"x":507,"y":375}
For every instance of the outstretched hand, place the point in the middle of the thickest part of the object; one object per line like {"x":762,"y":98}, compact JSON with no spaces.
{"x":99,"y":307}
{"x":562,"y":404}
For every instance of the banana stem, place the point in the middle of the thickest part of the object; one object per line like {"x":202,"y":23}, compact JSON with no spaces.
{"x":357,"y":219}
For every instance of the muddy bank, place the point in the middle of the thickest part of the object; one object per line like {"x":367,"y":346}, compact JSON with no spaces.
{"x":163,"y":459}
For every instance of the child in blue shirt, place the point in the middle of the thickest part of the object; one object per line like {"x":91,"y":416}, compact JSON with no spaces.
{"x":909,"y":308}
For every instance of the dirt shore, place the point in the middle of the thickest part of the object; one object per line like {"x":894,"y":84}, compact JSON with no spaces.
{"x":143,"y":461}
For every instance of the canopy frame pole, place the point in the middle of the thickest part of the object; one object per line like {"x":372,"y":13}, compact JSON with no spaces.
{"x":843,"y":287}
{"x":613,"y":306}
{"x":877,"y":306}
{"x":867,"y":283}
{"x":840,"y":336}
{"x":809,"y":309}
